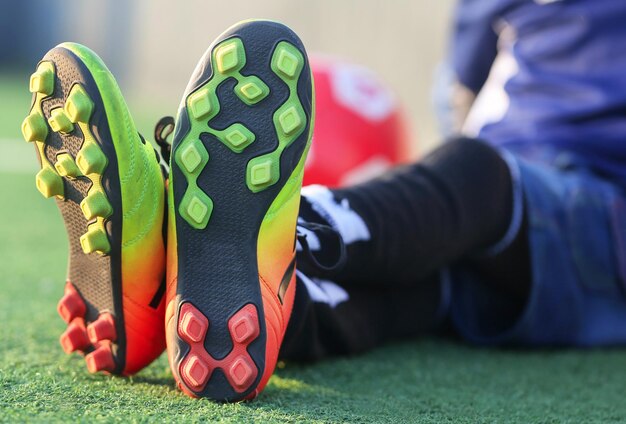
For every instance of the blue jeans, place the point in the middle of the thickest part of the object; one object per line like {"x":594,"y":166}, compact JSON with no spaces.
{"x":577,"y":239}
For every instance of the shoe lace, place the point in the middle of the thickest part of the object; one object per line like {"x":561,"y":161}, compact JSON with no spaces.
{"x":320,"y":229}
{"x":163,"y":129}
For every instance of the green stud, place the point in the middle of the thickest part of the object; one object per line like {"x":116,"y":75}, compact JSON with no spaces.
{"x":95,"y":205}
{"x":90,"y":159}
{"x":34,"y":128}
{"x":42,"y":81}
{"x":78,"y":106}
{"x":49,"y":183}
{"x":66,"y":166}
{"x":287,"y":62}
{"x":290,"y":120}
{"x":95,"y":240}
{"x":237,"y":137}
{"x":202,"y":103}
{"x":251,"y":90}
{"x":261,"y":173}
{"x":227,"y":56}
{"x":190,"y":158}
{"x":59,"y":121}
{"x":196,"y":208}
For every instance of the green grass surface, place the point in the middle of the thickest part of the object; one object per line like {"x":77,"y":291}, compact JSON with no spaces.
{"x":417,"y":381}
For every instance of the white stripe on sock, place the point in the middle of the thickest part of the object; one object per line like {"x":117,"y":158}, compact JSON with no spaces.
{"x":339,"y":215}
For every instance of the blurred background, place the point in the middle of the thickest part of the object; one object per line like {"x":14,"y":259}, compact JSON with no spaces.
{"x":151,"y":46}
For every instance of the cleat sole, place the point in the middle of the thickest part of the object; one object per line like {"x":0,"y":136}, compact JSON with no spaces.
{"x":68,"y":125}
{"x":245,"y":117}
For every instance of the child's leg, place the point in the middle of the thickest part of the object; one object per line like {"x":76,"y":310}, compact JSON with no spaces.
{"x":328,"y":319}
{"x":405,"y":225}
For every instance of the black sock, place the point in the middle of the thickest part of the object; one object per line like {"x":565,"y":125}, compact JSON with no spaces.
{"x":365,"y":318}
{"x":456,"y":201}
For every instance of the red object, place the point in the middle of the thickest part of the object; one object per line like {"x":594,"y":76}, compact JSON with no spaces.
{"x":102,"y":328}
{"x":101,"y":359}
{"x":71,"y":304}
{"x":360,"y":129}
{"x":75,"y":337}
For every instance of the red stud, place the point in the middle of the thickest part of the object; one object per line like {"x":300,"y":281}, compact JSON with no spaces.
{"x":195,"y":372}
{"x":241,"y":373}
{"x":75,"y":337}
{"x":102,"y":329}
{"x":100,"y":359}
{"x":193,"y":325}
{"x":71,"y":304}
{"x":243,"y":327}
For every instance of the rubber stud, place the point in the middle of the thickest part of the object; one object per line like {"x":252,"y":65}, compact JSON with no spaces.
{"x":197,"y":210}
{"x":227,"y":56}
{"x":42,"y":81}
{"x":202,"y":103}
{"x":95,"y":240}
{"x":100,"y":359}
{"x":90,"y":159}
{"x":59,"y":121}
{"x":34,"y":128}
{"x":190,"y":158}
{"x":66,"y":166}
{"x":75,"y":337}
{"x":243,"y":328}
{"x":71,"y":306}
{"x":193,"y":326}
{"x":261,"y":173}
{"x":78,"y":106}
{"x":49,"y":183}
{"x":290,"y":120}
{"x":196,"y":372}
{"x":95,"y":205}
{"x":241,"y":373}
{"x":251,"y":90}
{"x":102,"y":328}
{"x":287,"y":63}
{"x":237,"y":137}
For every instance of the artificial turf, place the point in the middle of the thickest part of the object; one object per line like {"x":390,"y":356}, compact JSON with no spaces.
{"x":413,"y":381}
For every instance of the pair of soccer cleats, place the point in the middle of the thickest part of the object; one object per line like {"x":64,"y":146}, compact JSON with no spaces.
{"x":214,"y":282}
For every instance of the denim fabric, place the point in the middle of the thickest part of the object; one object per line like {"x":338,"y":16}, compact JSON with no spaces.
{"x":577,"y":233}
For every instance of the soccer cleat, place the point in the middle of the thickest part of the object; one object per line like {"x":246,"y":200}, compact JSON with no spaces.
{"x":110,"y":191}
{"x":241,"y":139}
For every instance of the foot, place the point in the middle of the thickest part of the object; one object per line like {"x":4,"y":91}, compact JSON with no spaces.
{"x":108,"y":186}
{"x":240,"y":144}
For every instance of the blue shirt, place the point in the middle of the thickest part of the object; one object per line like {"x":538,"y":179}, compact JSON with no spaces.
{"x":566,"y":81}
